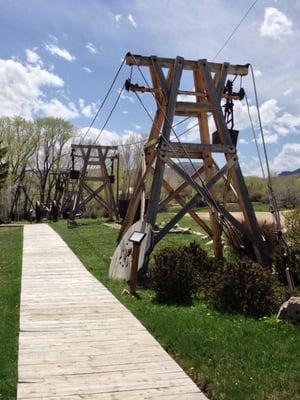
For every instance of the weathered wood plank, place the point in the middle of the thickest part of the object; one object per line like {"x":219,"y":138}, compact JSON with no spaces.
{"x":77,"y":341}
{"x":187,"y":64}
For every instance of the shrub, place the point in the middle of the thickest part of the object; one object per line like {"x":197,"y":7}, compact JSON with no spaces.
{"x":244,"y":287}
{"x":292,"y":225}
{"x":287,"y":258}
{"x":236,"y":237}
{"x":173,"y":276}
{"x":201,"y":263}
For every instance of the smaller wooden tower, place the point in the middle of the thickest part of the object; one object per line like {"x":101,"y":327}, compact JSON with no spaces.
{"x":92,"y":180}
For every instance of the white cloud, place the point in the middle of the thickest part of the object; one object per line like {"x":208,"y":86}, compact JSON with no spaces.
{"x":126,"y":97}
{"x":118,"y":17}
{"x":292,"y":122}
{"x":269,"y":138}
{"x":275,"y":121}
{"x":276,"y":24}
{"x":88,"y":110}
{"x":107,"y":137}
{"x":91,"y":48}
{"x":243,"y":141}
{"x":269,"y":111}
{"x":22,"y":93}
{"x":124,"y":112}
{"x":287,"y":91}
{"x":55,"y":108}
{"x":32,"y":57}
{"x":88,"y":70}
{"x":60,"y":52}
{"x":53,"y":38}
{"x":257,"y":73}
{"x":287,"y":159}
{"x":131,"y":20}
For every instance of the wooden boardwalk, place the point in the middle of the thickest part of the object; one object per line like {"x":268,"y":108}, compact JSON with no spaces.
{"x":77,"y":341}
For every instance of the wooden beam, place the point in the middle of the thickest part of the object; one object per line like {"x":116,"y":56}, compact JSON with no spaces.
{"x":180,"y":188}
{"x":192,"y":213}
{"x":194,"y":150}
{"x":99,"y":199}
{"x":96,"y":179}
{"x":166,"y":131}
{"x":93,"y":146}
{"x":160,"y":75}
{"x":208,"y":163}
{"x":91,"y":195}
{"x":238,"y":180}
{"x":193,"y":183}
{"x":191,"y":108}
{"x":134,"y":59}
{"x":181,"y":213}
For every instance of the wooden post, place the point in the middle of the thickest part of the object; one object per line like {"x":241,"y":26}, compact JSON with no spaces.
{"x":134,"y":268}
{"x":166,"y":131}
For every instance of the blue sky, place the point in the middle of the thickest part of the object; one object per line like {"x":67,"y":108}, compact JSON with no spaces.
{"x":59,"y":57}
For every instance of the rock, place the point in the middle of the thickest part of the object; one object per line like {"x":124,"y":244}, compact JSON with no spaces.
{"x":290,"y":311}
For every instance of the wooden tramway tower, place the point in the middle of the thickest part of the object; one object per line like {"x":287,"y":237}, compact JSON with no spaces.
{"x":210,"y":87}
{"x":93,"y":181}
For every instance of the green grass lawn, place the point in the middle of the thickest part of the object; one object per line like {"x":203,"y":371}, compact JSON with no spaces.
{"x":232,"y":357}
{"x":10,"y":280}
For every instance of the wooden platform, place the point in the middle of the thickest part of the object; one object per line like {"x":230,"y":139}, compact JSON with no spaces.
{"x":77,"y":341}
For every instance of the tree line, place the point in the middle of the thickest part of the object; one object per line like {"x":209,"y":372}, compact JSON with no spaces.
{"x":33,"y":153}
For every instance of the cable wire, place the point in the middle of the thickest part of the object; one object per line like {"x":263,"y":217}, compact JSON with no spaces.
{"x":272,"y":197}
{"x":110,"y":114}
{"x":255,"y":138}
{"x":104,"y":100}
{"x":235,"y":29}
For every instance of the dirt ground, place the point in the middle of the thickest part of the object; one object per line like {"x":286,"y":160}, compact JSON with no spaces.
{"x":260,"y":215}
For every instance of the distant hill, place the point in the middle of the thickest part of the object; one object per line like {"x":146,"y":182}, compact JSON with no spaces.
{"x":288,"y":173}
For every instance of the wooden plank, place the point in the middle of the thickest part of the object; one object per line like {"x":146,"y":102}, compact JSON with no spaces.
{"x":160,"y":75}
{"x":93,"y":146}
{"x":194,"y":149}
{"x":180,"y":188}
{"x":208,"y":164}
{"x":192,"y":213}
{"x":237,"y":176}
{"x":191,"y":109}
{"x":96,"y":179}
{"x":134,"y":59}
{"x":77,"y":341}
{"x":201,"y":193}
{"x":166,"y":132}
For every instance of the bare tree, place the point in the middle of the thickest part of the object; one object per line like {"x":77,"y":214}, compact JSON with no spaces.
{"x":17,"y":134}
{"x":52,"y":135}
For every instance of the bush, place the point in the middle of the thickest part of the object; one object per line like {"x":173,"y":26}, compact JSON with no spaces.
{"x":236,"y":237}
{"x":292,"y":225}
{"x":201,"y":263}
{"x":287,"y":258}
{"x":244,"y":287}
{"x":173,"y":276}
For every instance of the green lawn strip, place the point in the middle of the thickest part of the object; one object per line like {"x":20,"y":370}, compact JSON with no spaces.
{"x":11,"y":243}
{"x":235,"y":357}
